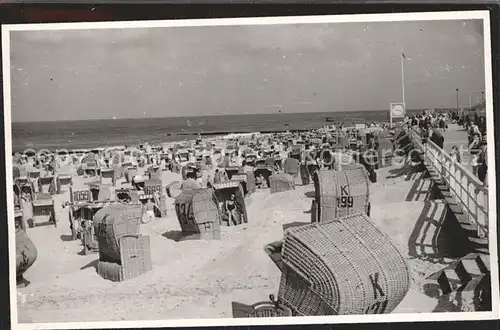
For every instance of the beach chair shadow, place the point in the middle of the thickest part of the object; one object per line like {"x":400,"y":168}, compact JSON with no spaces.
{"x":294,"y":224}
{"x":90,"y":265}
{"x":431,"y":290}
{"x":66,"y":238}
{"x":310,"y":194}
{"x":436,"y":235}
{"x":261,"y":309}
{"x":176,"y":235}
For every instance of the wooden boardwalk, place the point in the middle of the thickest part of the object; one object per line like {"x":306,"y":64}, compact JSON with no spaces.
{"x":465,"y":196}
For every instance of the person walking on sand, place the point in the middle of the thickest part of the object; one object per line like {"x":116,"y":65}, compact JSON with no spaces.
{"x":291,"y":166}
{"x":208,"y":182}
{"x":217,"y":177}
{"x":312,"y":164}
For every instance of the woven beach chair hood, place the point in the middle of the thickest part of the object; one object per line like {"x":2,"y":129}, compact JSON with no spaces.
{"x":112,"y":223}
{"x":342,"y":266}
{"x":26,"y":252}
{"x":190,"y":185}
{"x":281,"y":177}
{"x":198,"y":213}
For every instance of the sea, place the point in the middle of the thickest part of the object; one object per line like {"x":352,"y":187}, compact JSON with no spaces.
{"x":86,"y":134}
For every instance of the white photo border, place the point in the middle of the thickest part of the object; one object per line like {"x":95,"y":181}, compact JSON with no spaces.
{"x":483,"y":15}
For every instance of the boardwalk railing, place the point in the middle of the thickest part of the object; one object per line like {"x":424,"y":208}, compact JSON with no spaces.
{"x":465,"y":188}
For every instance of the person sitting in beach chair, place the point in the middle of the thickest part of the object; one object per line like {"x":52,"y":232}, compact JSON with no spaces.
{"x":149,"y":212}
{"x":232,"y":211}
{"x":261,"y":182}
{"x":137,"y":182}
{"x":224,"y":177}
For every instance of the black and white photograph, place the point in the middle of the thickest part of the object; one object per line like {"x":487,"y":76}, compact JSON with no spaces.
{"x":239,"y":171}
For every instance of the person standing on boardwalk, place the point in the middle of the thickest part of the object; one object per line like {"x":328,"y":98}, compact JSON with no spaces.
{"x":436,"y":137}
{"x":482,"y":126}
{"x":455,"y":154}
{"x":482,"y":163}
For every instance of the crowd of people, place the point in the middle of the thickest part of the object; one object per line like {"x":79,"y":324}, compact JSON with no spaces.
{"x":431,"y":126}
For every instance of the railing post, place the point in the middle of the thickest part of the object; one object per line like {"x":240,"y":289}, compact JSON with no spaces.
{"x":471,"y":205}
{"x":481,"y":213}
{"x":464,"y":196}
{"x":456,"y":188}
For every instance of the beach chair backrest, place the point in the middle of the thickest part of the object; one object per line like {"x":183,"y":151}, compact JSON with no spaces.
{"x":34,"y":174}
{"x":80,"y":195}
{"x":152,"y":186}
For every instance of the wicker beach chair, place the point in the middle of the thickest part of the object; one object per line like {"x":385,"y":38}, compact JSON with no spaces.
{"x":339,"y":193}
{"x":107,"y":176}
{"x":26,"y":254}
{"x":123,"y":252}
{"x":43,"y":211}
{"x":153,"y":192}
{"x":223,"y":192}
{"x":101,"y":192}
{"x":129,"y":172}
{"x":233,"y":170}
{"x":154,"y":172}
{"x":281,"y":182}
{"x":174,"y":189}
{"x":64,"y":182}
{"x":271,"y":308}
{"x":265,"y":171}
{"x":34,"y":175}
{"x":337,"y":267}
{"x":198,"y":214}
{"x":47,"y":185}
{"x":247,"y":181}
{"x":77,"y":214}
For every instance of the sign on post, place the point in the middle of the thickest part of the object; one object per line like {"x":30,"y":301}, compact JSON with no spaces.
{"x":397,"y":110}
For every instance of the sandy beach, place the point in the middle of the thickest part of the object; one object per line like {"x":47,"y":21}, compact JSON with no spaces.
{"x":199,"y":279}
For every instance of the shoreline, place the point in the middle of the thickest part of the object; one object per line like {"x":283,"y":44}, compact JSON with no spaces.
{"x":181,"y":135}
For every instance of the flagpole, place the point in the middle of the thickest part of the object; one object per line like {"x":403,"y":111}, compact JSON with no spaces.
{"x":403,"y":77}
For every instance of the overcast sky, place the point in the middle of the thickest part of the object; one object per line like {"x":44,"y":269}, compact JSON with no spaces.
{"x":188,"y":71}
